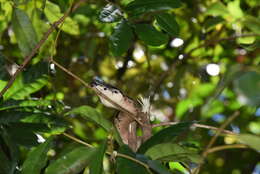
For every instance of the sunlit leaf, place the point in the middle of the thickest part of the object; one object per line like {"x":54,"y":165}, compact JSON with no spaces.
{"x":234,"y":9}
{"x":53,"y":13}
{"x":110,"y":13}
{"x":150,"y":35}
{"x":37,"y":158}
{"x":168,"y":23}
{"x":122,"y":38}
{"x":13,"y":104}
{"x":217,"y":9}
{"x":71,"y":162}
{"x":138,"y":7}
{"x":252,"y":141}
{"x":24,"y":31}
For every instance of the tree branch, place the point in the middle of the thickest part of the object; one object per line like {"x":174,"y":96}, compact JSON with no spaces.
{"x":224,"y":147}
{"x":195,"y":125}
{"x":29,"y":57}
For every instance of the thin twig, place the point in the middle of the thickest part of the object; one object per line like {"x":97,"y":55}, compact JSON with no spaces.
{"x":221,"y":128}
{"x":109,"y":153}
{"x":194,"y":125}
{"x":224,"y":147}
{"x":77,"y":140}
{"x":214,"y":138}
{"x":29,"y":57}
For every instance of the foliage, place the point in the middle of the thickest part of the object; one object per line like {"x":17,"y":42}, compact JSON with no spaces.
{"x":197,"y":60}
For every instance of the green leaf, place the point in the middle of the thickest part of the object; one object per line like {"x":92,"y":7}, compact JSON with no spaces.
{"x":90,"y":113}
{"x":126,"y":166}
{"x":29,"y":82}
{"x":96,"y":165}
{"x":168,"y":23}
{"x":122,"y":38}
{"x":110,"y":13}
{"x":24,"y":31}
{"x":150,"y":35}
{"x":217,"y":9}
{"x":139,"y":7}
{"x":37,"y":158}
{"x":166,"y":135}
{"x":247,"y":86}
{"x":234,"y":9}
{"x":71,"y":162}
{"x":252,"y":141}
{"x":53,"y":13}
{"x":252,"y":23}
{"x":13,"y":104}
{"x":173,"y":152}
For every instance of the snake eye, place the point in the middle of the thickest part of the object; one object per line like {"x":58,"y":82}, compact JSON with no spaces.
{"x":105,"y":88}
{"x":115,"y":92}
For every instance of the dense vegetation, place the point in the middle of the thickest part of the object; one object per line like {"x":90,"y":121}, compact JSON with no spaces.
{"x":198,"y":61}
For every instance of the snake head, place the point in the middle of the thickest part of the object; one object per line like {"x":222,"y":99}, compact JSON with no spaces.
{"x":103,"y":89}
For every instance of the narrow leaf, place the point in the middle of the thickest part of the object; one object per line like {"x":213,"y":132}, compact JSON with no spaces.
{"x":71,"y":162}
{"x":122,"y":38}
{"x":150,"y":35}
{"x":91,"y":114}
{"x":165,"y":135}
{"x":24,"y":31}
{"x":37,"y":158}
{"x":168,"y":23}
{"x":96,"y":165}
{"x":139,"y":7}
